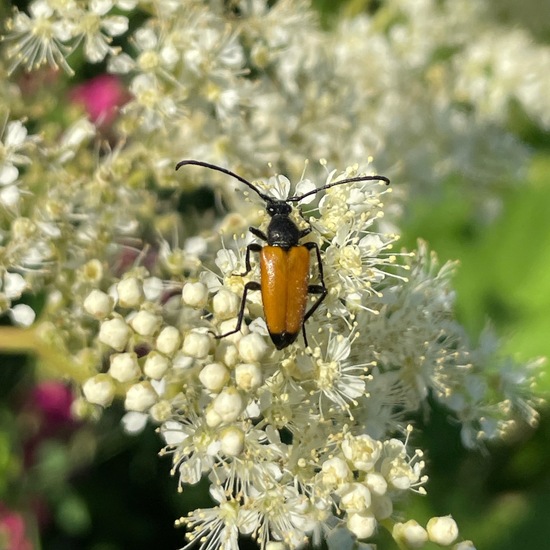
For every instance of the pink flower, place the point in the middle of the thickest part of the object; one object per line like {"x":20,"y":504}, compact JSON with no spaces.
{"x":12,"y":530}
{"x":53,"y":401}
{"x":101,"y":97}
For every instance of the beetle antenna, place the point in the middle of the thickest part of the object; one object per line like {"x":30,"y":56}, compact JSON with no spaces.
{"x":341,"y":182}
{"x":224,"y":171}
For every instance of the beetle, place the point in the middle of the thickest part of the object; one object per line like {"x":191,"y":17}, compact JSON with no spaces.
{"x":284,"y":264}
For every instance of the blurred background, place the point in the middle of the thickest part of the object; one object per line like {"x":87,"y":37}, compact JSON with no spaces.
{"x":73,"y":485}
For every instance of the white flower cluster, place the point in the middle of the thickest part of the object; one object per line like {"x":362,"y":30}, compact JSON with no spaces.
{"x":298,"y":442}
{"x":52,"y":30}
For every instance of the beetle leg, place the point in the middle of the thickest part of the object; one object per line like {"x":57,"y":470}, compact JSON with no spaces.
{"x":252,"y":285}
{"x":253,"y":247}
{"x":320,"y":289}
{"x":257,"y":233}
{"x":305,"y":232}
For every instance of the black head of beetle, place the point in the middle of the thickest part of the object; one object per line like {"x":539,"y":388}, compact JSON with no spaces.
{"x":281,"y":231}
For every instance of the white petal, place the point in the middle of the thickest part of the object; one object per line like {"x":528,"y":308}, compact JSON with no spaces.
{"x":9,"y":196}
{"x":8,"y":174}
{"x":101,"y":7}
{"x":22,"y":315}
{"x":134,"y":422}
{"x":15,"y":134}
{"x":115,"y":25}
{"x":14,"y":285}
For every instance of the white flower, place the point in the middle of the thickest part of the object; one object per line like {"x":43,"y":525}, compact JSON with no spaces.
{"x":362,"y":451}
{"x":39,"y":38}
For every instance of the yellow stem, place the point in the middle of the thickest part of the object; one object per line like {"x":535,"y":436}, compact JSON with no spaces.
{"x":28,"y":341}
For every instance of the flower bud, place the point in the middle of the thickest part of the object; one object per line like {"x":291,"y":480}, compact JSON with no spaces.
{"x":114,"y":333}
{"x":227,"y":353}
{"x":376,"y":483}
{"x":252,"y":348}
{"x":442,"y":530}
{"x":161,"y":411}
{"x":213,"y":419}
{"x":169,"y":340}
{"x":411,"y":534}
{"x":98,"y":304}
{"x":382,"y":507}
{"x":124,"y":367}
{"x":196,"y":344}
{"x":225,"y":304}
{"x":156,"y":365}
{"x":228,"y":404}
{"x":140,"y":397}
{"x":99,"y":390}
{"x":464,"y":545}
{"x":130,"y":292}
{"x":232,"y":441}
{"x":214,"y":377}
{"x":146,"y":323}
{"x":195,"y":295}
{"x":248,"y":376}
{"x":362,"y":526}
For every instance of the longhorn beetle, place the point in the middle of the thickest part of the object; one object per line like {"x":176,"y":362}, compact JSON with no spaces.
{"x":284,"y":264}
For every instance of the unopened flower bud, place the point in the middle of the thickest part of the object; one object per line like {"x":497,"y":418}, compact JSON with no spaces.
{"x":114,"y":333}
{"x":227,"y":353}
{"x":169,"y":340}
{"x":196,"y":344}
{"x":140,"y":397}
{"x":146,"y":323}
{"x":228,"y":404}
{"x":232,"y":441}
{"x":99,"y":390}
{"x":130,"y":292}
{"x":362,"y":526}
{"x":382,"y":507}
{"x":161,"y":411}
{"x":124,"y":367}
{"x":213,"y":419}
{"x":214,"y":376}
{"x":248,"y":376}
{"x":442,"y":530}
{"x":376,"y":483}
{"x":411,"y":534}
{"x":252,"y":348}
{"x":226,"y":304}
{"x":156,"y":365}
{"x":195,"y":294}
{"x":98,"y":303}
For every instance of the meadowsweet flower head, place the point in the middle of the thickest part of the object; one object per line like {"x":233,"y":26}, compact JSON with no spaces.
{"x":303,"y":442}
